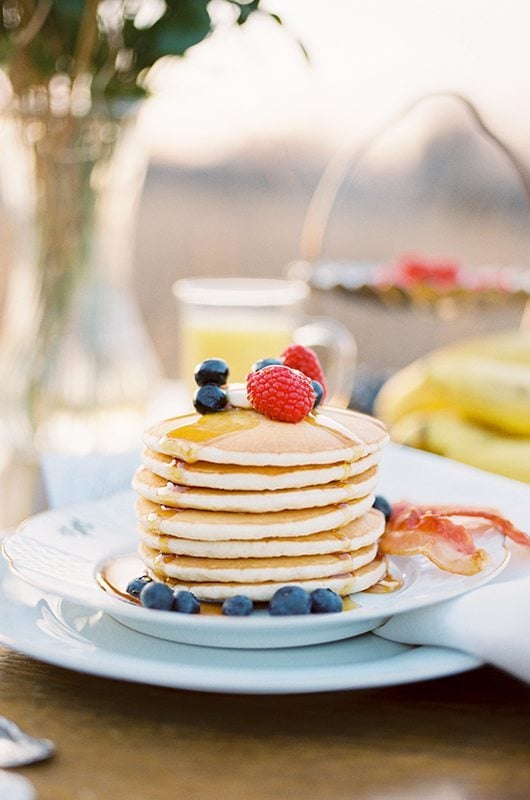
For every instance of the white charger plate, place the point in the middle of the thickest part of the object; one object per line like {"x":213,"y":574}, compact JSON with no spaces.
{"x":60,"y":552}
{"x":70,"y":635}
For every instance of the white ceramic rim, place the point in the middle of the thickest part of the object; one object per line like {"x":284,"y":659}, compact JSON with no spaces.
{"x":240,"y":292}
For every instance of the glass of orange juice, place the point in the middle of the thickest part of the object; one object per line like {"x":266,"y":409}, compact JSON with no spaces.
{"x":245,"y":319}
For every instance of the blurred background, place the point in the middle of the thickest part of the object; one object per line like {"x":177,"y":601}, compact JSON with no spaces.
{"x":241,"y":130}
{"x":318,"y":140}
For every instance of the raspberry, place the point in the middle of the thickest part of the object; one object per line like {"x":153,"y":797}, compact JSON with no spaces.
{"x":305,"y":360}
{"x":281,"y":393}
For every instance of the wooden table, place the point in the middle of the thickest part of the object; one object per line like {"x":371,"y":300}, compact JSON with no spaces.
{"x":460,"y":738}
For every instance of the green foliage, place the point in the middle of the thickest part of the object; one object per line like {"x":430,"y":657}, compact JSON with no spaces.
{"x":184,"y":24}
{"x":245,"y":10}
{"x":108,"y":40}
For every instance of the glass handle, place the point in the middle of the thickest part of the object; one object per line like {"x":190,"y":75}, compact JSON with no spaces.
{"x":337,"y":349}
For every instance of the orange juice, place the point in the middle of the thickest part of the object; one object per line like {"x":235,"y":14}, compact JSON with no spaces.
{"x":240,"y":341}
{"x":245,"y":319}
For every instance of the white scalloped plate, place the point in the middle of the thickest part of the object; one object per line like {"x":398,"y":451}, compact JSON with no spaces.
{"x":60,"y":552}
{"x":73,"y":636}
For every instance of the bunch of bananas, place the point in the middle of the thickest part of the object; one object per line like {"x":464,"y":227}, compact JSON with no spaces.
{"x":469,"y":401}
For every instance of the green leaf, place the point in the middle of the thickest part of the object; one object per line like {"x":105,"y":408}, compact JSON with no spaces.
{"x":118,"y":88}
{"x":184,"y":24}
{"x":245,"y":10}
{"x":72,"y":8}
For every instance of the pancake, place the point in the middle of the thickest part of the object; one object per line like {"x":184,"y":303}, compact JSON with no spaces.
{"x":343,"y":584}
{"x":237,"y":503}
{"x":370,"y":430}
{"x":361,"y":532}
{"x":231,"y":477}
{"x":255,"y":570}
{"x":225,"y":525}
{"x":158,"y":490}
{"x":244,"y":437}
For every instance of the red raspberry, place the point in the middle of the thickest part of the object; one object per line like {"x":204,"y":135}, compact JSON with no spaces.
{"x":281,"y":393}
{"x":305,"y":360}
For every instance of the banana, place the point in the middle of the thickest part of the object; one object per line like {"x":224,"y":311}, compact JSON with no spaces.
{"x":510,"y":345}
{"x":447,"y":434}
{"x":484,"y":389}
{"x":485,"y":379}
{"x":408,"y":390}
{"x":469,"y":401}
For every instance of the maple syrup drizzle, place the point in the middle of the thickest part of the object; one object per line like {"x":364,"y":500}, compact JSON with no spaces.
{"x":116,"y":573}
{"x":320,"y":420}
{"x":207,"y":427}
{"x":349,"y":605}
{"x":386,"y":585}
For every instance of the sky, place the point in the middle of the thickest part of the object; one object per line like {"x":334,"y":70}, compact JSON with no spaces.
{"x":250,"y":86}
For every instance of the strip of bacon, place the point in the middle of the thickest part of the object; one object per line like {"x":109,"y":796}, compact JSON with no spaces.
{"x":429,"y":530}
{"x":497,"y":521}
{"x":411,"y":531}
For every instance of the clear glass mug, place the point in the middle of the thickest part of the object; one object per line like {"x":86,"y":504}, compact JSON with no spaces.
{"x":244,"y":319}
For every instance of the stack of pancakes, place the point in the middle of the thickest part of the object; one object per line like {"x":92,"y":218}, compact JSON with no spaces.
{"x":236,"y":503}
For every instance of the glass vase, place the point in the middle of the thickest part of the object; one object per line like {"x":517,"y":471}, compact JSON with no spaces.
{"x":76,"y":364}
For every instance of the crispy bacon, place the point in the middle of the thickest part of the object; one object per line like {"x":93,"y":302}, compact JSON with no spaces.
{"x":497,"y":521}
{"x":429,"y":530}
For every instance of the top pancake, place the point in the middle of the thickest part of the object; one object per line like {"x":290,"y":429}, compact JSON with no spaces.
{"x":244,"y":437}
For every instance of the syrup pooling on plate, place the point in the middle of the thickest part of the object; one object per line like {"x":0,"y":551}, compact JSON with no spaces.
{"x":386,"y":585}
{"x":349,"y":604}
{"x":116,"y":573}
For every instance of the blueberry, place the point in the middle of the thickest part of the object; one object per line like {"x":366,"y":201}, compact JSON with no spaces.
{"x":209,"y":399}
{"x":382,"y":504}
{"x":325,"y":601}
{"x":319,"y":392}
{"x":290,"y":600}
{"x":186,"y":603}
{"x":213,"y":370}
{"x":156,"y":595}
{"x":238,"y":606}
{"x":135,"y":586}
{"x":265,"y":362}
